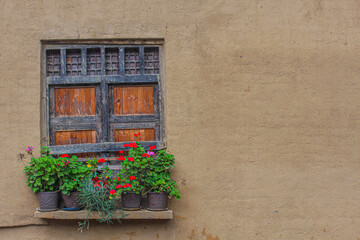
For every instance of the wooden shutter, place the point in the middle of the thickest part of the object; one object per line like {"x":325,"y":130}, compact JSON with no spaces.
{"x":74,"y":115}
{"x":134,"y":110}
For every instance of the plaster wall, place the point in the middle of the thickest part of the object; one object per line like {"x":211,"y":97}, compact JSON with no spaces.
{"x":262,"y":113}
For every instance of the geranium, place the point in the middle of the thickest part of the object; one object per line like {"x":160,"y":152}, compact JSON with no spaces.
{"x":112,"y":192}
{"x":121,"y":158}
{"x":135,"y":135}
{"x":119,"y":186}
{"x":101,"y":160}
{"x":119,"y":179}
{"x":132,"y":178}
{"x":64,"y":155}
{"x":121,"y":151}
{"x":131,"y":159}
{"x":152,"y":147}
{"x":150,"y":153}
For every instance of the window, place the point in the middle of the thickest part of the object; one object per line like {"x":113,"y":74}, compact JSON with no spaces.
{"x":97,"y":96}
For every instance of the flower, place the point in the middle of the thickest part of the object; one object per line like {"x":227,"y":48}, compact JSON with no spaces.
{"x":129,"y":185}
{"x":125,"y":145}
{"x":135,"y":135}
{"x":144,"y":155}
{"x":119,"y":186}
{"x":150,"y":153}
{"x":101,"y":160}
{"x":121,"y":151}
{"x":152,"y":147}
{"x":121,"y":158}
{"x":131,"y":159}
{"x":118,"y":179}
{"x":64,"y":155}
{"x":138,"y":134}
{"x":75,"y":180}
{"x":89,"y":165}
{"x":133,"y":145}
{"x":132,"y":178}
{"x":112,"y":192}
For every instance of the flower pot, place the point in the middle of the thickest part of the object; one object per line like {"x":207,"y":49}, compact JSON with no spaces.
{"x":157,"y":201}
{"x":131,"y":201}
{"x":72,"y":200}
{"x":48,"y":201}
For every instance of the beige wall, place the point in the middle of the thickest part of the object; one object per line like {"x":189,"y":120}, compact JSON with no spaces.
{"x":262,"y":113}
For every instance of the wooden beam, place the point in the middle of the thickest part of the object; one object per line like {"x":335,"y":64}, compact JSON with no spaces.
{"x":101,"y":147}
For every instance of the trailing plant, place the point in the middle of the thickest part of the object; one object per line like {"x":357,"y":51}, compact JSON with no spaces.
{"x":95,"y":196}
{"x":41,"y":172}
{"x":71,"y":173}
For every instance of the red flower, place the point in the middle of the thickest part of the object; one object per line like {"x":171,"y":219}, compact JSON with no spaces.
{"x":129,"y":185}
{"x":118,"y":179}
{"x":144,"y":155}
{"x":125,"y":145}
{"x":101,"y":160}
{"x":152,"y":147}
{"x":119,"y":186}
{"x":121,"y":151}
{"x":135,"y":134}
{"x":147,"y":155}
{"x":131,"y":159}
{"x":74,"y":180}
{"x":121,"y":158}
{"x":64,"y":155}
{"x":132,"y":178}
{"x":138,"y":134}
{"x":112,"y":192}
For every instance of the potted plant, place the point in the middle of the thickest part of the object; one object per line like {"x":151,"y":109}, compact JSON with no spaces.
{"x":42,"y":177}
{"x":71,"y":173}
{"x":157,"y":181}
{"x":134,"y":166}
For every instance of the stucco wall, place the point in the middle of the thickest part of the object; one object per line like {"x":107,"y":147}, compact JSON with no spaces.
{"x":262,"y":113}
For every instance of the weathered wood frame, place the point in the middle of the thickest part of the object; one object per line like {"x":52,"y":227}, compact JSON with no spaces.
{"x":104,"y":122}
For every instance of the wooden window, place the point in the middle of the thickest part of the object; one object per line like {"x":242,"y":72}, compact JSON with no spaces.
{"x":98,"y":96}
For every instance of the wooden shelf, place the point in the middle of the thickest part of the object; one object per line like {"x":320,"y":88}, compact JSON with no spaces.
{"x":141,"y":214}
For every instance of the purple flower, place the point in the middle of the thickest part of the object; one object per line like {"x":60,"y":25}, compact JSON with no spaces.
{"x":150,"y":153}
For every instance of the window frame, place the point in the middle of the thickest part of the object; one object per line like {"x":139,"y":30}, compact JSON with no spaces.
{"x":102,"y":83}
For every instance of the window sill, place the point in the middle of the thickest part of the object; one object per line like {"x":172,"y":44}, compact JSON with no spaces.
{"x":141,"y":214}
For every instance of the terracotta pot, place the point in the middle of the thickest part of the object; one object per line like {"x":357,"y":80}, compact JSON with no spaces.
{"x":72,"y":200}
{"x":48,"y":200}
{"x":131,"y":201}
{"x":157,"y":201}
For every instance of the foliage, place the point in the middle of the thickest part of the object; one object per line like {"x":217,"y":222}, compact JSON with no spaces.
{"x":133,"y":169}
{"x":94,"y":196}
{"x":41,"y":172}
{"x":157,"y":177}
{"x":71,"y":173}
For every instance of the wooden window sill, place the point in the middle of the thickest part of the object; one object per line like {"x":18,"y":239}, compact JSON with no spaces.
{"x":141,"y":214}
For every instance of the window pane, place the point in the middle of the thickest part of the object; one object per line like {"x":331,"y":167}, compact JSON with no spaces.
{"x":73,"y":62}
{"x":53,"y":63}
{"x":112,"y":61}
{"x":132,"y":61}
{"x":93,"y":59}
{"x":151,"y":57}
